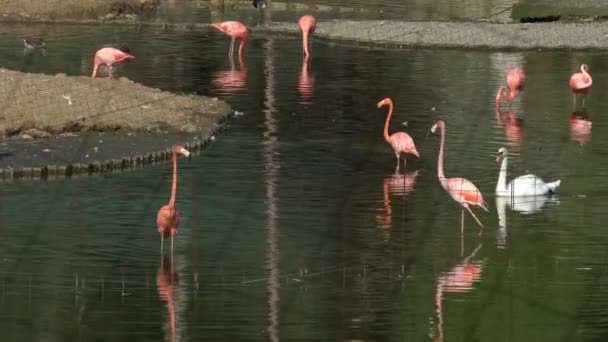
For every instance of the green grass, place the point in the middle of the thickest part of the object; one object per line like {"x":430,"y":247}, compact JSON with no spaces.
{"x":562,"y":8}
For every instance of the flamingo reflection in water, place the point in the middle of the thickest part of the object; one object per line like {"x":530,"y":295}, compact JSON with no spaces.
{"x":233,"y":80}
{"x":306,"y":83}
{"x":580,"y":126}
{"x":167,"y":286}
{"x":460,"y":279}
{"x":512,"y":126}
{"x":400,"y":185}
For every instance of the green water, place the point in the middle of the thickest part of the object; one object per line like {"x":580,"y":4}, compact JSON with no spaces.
{"x":294,"y":226}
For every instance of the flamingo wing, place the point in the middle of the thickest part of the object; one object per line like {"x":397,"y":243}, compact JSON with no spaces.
{"x":463,"y":191}
{"x":579,"y":81}
{"x":403,"y":143}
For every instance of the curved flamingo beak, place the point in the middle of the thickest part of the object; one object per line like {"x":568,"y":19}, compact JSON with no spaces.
{"x":185,"y":152}
{"x":434,"y":128}
{"x":381,"y":103}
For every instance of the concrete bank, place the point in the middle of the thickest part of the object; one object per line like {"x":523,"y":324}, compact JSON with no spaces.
{"x":64,"y":125}
{"x":554,"y":35}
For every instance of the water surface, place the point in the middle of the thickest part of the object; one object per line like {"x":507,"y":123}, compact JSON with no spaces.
{"x":294,"y":223}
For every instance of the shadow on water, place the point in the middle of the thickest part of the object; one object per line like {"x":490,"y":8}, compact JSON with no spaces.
{"x":293,"y":223}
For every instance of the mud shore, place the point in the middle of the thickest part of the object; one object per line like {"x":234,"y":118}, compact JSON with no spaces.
{"x":485,"y":35}
{"x":60,"y":125}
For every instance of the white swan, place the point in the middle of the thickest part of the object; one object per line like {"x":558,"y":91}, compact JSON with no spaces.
{"x":527,"y":185}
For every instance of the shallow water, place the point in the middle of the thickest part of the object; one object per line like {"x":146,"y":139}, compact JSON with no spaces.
{"x":294,"y":225}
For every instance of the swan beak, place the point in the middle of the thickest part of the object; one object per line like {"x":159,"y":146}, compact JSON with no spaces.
{"x":185,"y":152}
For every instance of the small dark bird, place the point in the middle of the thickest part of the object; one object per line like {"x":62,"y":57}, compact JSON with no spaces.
{"x":259,"y":4}
{"x":34,"y":43}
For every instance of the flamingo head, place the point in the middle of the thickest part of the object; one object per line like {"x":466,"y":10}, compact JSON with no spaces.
{"x":438,"y":124}
{"x":218,"y":26}
{"x":385,"y":102}
{"x":180,"y":150}
{"x":502,"y":153}
{"x":585,"y":68}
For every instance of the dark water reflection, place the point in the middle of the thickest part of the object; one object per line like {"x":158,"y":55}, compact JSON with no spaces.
{"x":294,"y":223}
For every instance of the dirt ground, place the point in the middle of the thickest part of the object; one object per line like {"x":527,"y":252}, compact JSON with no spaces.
{"x":63,"y":121}
{"x":82,"y":9}
{"x":37,"y":104}
{"x":491,"y":35}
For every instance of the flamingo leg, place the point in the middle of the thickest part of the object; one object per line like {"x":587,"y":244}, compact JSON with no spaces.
{"x":584,"y":97}
{"x":574,"y":102}
{"x":461,"y":222}
{"x":472,"y":214}
{"x":398,"y":161}
{"x":231,"y":52}
{"x":172,"y":248}
{"x":162,"y":241}
{"x":111,"y":71}
{"x":461,"y":232}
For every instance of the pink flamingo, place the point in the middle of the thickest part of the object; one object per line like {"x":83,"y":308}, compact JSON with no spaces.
{"x":580,"y":82}
{"x":516,"y":80}
{"x":167,"y":218}
{"x":401,"y":142}
{"x":307,"y":23}
{"x":460,"y":189}
{"x":109,"y":56}
{"x":235,"y":30}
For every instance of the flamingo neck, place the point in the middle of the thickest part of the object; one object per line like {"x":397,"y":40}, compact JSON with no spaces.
{"x":96,"y":63}
{"x":174,"y":183}
{"x":305,"y":42}
{"x":387,"y":137}
{"x":440,"y":173}
{"x":501,"y":185}
{"x":512,"y":93}
{"x":587,"y":79}
{"x":241,"y":46}
{"x":499,"y":95}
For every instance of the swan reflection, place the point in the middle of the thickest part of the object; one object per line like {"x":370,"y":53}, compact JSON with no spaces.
{"x":524,"y":205}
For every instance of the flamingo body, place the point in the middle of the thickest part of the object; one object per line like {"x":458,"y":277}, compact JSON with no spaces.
{"x":516,"y":80}
{"x":109,"y":56}
{"x":235,"y":30}
{"x":167,"y":221}
{"x":464,"y":192}
{"x":167,"y":218}
{"x":401,"y":142}
{"x":307,"y":24}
